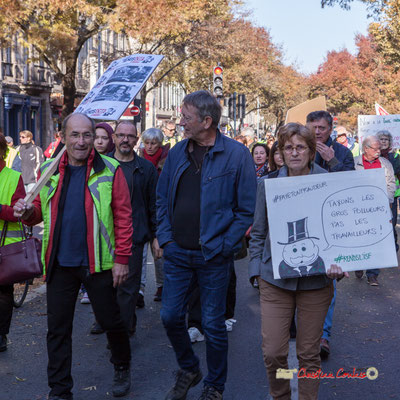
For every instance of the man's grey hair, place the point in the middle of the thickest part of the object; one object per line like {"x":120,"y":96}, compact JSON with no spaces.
{"x":386,"y":134}
{"x":368,"y":141}
{"x":205,"y":104}
{"x":68,"y":117}
{"x":248,"y":132}
{"x":168,"y":122}
{"x":153,"y":134}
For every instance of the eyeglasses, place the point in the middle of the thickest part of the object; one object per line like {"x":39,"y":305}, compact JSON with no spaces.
{"x":121,"y":136}
{"x":299,"y":149}
{"x":375,"y":149}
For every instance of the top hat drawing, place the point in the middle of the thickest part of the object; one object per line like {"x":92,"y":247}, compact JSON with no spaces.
{"x":297,"y":230}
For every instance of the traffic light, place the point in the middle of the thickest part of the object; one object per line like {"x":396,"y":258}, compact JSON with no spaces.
{"x":241,"y":106}
{"x":217,"y":81}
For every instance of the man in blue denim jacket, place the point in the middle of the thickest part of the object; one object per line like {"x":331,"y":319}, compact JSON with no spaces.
{"x":205,"y":203}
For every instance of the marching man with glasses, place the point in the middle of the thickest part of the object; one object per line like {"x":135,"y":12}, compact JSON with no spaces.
{"x":87,"y":239}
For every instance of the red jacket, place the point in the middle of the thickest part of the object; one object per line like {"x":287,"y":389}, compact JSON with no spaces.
{"x":6,"y":211}
{"x":121,"y":207}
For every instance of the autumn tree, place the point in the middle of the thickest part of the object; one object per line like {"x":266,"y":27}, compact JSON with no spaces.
{"x":352,"y":84}
{"x":57,"y":30}
{"x":252,"y":65}
{"x":375,"y":7}
{"x":181,"y":38}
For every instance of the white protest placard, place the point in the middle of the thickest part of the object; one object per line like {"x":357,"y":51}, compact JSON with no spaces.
{"x":342,"y":218}
{"x":369,"y":125}
{"x":118,"y":86}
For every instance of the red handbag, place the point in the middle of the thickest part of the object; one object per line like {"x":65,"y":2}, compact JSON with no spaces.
{"x":19,"y":261}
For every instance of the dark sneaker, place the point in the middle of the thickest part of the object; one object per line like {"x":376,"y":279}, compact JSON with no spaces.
{"x":158,"y":295}
{"x":210,"y":393}
{"x":121,"y":382}
{"x":359,"y":274}
{"x":96,"y":329}
{"x":3,"y":343}
{"x":140,"y":300}
{"x":184,"y":381}
{"x":373,"y":280}
{"x":324,"y":348}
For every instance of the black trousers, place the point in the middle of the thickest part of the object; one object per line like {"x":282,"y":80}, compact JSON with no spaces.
{"x":128,"y":292}
{"x":6,"y":308}
{"x":62,"y":292}
{"x":194,"y":305}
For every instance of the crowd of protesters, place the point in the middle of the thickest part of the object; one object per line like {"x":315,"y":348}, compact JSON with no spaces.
{"x":197,"y":200}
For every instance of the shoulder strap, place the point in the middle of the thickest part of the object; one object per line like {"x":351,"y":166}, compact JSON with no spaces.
{"x":3,"y":234}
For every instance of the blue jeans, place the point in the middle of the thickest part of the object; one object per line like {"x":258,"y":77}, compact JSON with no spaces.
{"x":370,"y":272}
{"x":181,"y":269}
{"x":326,"y":334}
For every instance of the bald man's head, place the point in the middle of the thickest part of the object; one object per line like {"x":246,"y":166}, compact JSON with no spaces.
{"x":79,"y":117}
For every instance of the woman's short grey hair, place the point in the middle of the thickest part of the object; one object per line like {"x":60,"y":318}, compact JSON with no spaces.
{"x":387,"y":134}
{"x":153,"y":134}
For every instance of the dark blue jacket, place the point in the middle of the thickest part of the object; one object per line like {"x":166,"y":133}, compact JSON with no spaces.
{"x":227,"y":200}
{"x":143,"y":199}
{"x":343,"y":160}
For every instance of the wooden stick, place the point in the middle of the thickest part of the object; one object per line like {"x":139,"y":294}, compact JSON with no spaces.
{"x":44,"y":178}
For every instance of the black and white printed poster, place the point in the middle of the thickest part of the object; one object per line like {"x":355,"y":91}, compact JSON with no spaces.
{"x":118,"y":86}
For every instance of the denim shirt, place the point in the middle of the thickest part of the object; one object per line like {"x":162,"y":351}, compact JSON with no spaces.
{"x":227,"y":199}
{"x":260,"y":245}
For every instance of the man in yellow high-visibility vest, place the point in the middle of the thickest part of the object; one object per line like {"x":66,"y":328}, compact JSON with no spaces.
{"x":87,"y":215}
{"x":11,"y":189}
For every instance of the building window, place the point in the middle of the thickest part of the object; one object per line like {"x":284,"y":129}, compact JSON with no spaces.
{"x":41,"y":75}
{"x":7,"y":65}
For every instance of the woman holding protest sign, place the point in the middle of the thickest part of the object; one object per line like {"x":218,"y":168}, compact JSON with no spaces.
{"x":279,"y":298}
{"x":11,"y":189}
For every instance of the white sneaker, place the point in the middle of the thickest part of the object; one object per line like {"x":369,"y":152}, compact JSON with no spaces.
{"x":229,"y":324}
{"x":195,"y":335}
{"x":85,"y":299}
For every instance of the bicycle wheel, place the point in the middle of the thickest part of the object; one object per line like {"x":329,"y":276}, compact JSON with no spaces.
{"x":20,"y":292}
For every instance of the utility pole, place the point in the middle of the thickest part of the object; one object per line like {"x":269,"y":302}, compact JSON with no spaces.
{"x":98,"y":55}
{"x":258,"y":117}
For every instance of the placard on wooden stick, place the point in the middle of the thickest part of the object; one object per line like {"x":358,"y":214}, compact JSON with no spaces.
{"x":30,"y":196}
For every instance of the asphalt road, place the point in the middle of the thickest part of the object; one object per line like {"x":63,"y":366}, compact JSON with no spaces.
{"x":365,"y":334}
